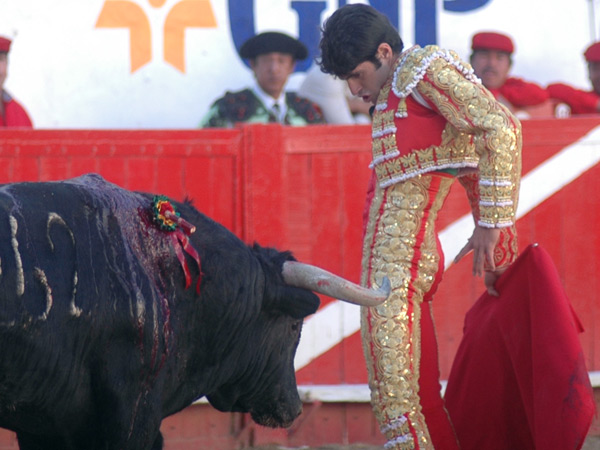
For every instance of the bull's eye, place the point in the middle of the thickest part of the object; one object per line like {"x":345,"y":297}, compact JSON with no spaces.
{"x":296,"y":326}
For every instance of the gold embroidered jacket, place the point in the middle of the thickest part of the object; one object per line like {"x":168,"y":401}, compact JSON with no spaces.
{"x":433,"y":114}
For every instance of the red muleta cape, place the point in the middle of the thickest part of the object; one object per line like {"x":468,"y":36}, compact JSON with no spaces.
{"x":519,"y":379}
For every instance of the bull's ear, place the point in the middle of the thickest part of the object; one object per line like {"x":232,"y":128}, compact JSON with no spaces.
{"x":296,"y":302}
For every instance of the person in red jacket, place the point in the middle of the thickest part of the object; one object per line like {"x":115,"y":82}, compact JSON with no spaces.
{"x":12,"y":114}
{"x":580,"y":101}
{"x":492,"y":60}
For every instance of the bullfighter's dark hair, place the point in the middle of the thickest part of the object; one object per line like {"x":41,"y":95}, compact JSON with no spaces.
{"x":352,"y":36}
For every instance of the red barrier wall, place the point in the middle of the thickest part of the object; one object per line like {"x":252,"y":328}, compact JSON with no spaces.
{"x":303,"y":189}
{"x":206,"y":166}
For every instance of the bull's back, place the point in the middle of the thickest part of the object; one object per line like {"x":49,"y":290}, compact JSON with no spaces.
{"x":59,"y":245}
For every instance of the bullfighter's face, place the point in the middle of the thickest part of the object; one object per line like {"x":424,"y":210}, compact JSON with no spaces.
{"x":272,"y":71}
{"x":367,"y":79}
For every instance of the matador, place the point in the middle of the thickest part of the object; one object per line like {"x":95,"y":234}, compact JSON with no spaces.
{"x":432,"y":123}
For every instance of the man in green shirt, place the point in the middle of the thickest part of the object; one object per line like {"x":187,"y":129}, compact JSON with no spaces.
{"x":272,"y":57}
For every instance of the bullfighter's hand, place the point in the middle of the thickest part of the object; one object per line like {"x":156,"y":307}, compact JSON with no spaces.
{"x":482,"y":244}
{"x":490,"y":278}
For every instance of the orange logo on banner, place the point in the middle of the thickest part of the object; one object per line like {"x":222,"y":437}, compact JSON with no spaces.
{"x":185,"y":14}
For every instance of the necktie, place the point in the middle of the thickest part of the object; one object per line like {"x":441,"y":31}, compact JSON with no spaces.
{"x":276,"y":111}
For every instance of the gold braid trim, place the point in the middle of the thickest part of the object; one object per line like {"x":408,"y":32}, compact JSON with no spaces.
{"x":391,"y":332}
{"x":481,"y":132}
{"x":414,"y":63}
{"x":506,"y":250}
{"x":496,"y":138}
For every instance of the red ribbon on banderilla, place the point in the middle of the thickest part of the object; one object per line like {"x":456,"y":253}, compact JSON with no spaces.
{"x":168,"y":219}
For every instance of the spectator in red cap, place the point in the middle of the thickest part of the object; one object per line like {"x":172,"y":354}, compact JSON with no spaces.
{"x":12,"y":114}
{"x":580,"y":101}
{"x":491,"y":60}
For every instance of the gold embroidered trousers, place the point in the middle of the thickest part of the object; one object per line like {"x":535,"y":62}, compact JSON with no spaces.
{"x":398,"y":336}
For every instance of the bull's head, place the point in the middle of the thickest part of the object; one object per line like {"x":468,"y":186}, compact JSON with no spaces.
{"x":267,"y":387}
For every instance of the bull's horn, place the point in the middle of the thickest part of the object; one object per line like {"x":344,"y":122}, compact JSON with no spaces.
{"x":319,"y":280}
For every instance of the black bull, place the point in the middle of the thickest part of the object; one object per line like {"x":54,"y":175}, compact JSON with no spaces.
{"x":109,"y":323}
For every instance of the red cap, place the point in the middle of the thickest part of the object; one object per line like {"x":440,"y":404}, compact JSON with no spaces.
{"x":592,"y":54}
{"x":493,"y":41}
{"x":4,"y":44}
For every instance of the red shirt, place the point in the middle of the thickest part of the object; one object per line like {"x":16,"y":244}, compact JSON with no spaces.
{"x":581,"y":102}
{"x":520,"y":93}
{"x":14,"y":114}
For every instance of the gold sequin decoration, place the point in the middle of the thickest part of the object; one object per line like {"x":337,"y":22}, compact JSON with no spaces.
{"x":471,"y":110}
{"x":391,"y":332}
{"x":480,"y":132}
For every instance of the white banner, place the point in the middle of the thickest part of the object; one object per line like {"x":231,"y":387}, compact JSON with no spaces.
{"x":161,"y":63}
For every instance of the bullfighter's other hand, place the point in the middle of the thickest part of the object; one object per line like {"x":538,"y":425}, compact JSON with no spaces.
{"x":482,"y":244}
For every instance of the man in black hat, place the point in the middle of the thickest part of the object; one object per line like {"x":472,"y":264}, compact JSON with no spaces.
{"x":272,"y":57}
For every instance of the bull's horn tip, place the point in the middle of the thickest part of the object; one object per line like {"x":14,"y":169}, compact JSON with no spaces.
{"x":386,"y":286}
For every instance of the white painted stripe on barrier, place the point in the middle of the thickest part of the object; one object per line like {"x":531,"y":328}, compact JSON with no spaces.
{"x":359,"y":393}
{"x":338,"y":320}
{"x":329,"y":326}
{"x":538,"y":185}
{"x":595,"y":379}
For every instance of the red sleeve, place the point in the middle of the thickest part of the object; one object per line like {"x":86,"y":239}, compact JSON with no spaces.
{"x":581,"y":102}
{"x":16,"y":116}
{"x":523,"y":93}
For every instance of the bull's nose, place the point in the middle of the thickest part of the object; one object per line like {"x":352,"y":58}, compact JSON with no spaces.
{"x":297,"y":414}
{"x":283,"y":416}
{"x":290,"y":420}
